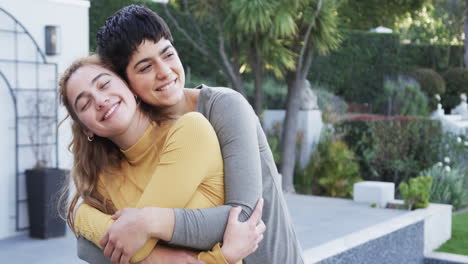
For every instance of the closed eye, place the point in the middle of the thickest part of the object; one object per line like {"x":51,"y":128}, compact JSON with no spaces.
{"x":85,"y":105}
{"x":145,"y":68}
{"x":170,"y":55}
{"x":105,"y":84}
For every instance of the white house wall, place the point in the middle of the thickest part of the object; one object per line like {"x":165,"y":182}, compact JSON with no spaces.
{"x":72,"y":18}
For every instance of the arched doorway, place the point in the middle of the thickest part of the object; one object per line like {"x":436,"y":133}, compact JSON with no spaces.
{"x":28,"y":103}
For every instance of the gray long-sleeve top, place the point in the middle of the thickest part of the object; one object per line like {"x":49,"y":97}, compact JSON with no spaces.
{"x":249,"y":173}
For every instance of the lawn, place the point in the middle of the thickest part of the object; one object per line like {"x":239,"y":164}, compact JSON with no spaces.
{"x":458,"y":244}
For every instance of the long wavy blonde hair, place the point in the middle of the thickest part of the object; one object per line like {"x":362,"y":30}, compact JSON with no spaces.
{"x":90,"y":158}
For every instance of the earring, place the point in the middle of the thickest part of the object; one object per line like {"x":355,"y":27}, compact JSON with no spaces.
{"x":90,"y":138}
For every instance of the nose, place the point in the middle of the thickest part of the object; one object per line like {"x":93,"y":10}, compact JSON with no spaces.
{"x":163,"y":71}
{"x":101,"y":101}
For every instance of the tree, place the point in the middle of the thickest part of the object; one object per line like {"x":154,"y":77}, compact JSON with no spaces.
{"x":466,"y":34}
{"x":437,"y":22}
{"x":247,"y":33}
{"x":364,"y":15}
{"x":259,"y":27}
{"x":215,"y":17}
{"x":317,"y":25}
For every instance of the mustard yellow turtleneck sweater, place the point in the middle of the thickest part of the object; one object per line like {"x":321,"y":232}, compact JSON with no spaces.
{"x":171,"y":166}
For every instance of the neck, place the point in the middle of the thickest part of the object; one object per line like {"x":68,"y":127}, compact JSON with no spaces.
{"x":134,"y":132}
{"x":188,"y":103}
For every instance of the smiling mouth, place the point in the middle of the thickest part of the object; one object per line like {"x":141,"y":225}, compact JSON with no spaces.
{"x":167,"y":87}
{"x":111,"y":111}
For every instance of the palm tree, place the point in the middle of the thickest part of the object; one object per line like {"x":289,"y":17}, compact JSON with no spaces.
{"x":317,"y":22}
{"x":259,"y":26}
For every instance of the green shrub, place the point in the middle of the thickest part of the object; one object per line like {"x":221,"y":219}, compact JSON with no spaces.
{"x":274,"y":93}
{"x":356,"y":70}
{"x":454,"y":147}
{"x":431,"y":83}
{"x":402,"y":96}
{"x":332,"y":106}
{"x":333,"y":169}
{"x":437,"y":57}
{"x":392,"y":149}
{"x":456,"y":81}
{"x":448,"y":186}
{"x":416,"y":192}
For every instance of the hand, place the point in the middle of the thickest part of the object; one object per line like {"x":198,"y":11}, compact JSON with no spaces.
{"x":241,"y":239}
{"x":125,"y":236}
{"x":165,"y":255}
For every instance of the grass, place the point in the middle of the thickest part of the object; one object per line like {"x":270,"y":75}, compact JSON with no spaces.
{"x":458,"y":244}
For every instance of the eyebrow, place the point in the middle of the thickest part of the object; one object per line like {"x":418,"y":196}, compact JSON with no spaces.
{"x":98,"y":76}
{"x":78,"y":98}
{"x":94,"y":80}
{"x":147,"y":59}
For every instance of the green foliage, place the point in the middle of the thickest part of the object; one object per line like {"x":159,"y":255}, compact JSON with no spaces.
{"x":274,"y":93}
{"x":416,"y":192}
{"x":368,"y":14}
{"x":392,"y":149}
{"x":437,"y":57}
{"x":332,"y":170}
{"x":273,"y":137}
{"x":456,"y":80}
{"x":448,"y":186}
{"x":402,"y":97}
{"x":431,"y":83}
{"x":357,"y":70}
{"x":274,"y":146}
{"x":332,"y":106}
{"x":440,"y":21}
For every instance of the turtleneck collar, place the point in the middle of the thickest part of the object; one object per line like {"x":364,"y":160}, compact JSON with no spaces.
{"x":138,"y":150}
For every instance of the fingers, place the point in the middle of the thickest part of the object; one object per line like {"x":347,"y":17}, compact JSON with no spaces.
{"x":125,"y":258}
{"x":108,"y":250}
{"x":261,"y":227}
{"x":257,"y":213}
{"x":234,"y":214}
{"x":116,"y":215}
{"x":103,"y":241}
{"x":116,"y":256}
{"x":259,"y":239}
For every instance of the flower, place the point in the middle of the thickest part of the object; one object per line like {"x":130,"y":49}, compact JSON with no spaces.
{"x":459,"y":140}
{"x":466,"y":143}
{"x":447,"y":168}
{"x":439,"y":164}
{"x":447,"y":160}
{"x":437,"y":96}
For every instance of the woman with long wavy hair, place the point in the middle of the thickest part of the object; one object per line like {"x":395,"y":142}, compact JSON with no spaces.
{"x":124,"y":160}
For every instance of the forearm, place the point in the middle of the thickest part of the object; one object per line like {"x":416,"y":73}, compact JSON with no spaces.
{"x":236,"y":126}
{"x":91,"y":223}
{"x":160,"y":222}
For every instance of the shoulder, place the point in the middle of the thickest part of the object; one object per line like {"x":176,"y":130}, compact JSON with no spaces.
{"x":220,"y":93}
{"x":221,"y":100}
{"x":191,"y":123}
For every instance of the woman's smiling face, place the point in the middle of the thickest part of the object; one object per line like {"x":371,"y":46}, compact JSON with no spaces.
{"x":156,"y":74}
{"x":101,"y":100}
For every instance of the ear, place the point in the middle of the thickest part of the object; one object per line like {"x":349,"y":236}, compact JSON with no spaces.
{"x":88,"y":133}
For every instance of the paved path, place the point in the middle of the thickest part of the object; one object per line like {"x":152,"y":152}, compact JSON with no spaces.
{"x":317,"y":220}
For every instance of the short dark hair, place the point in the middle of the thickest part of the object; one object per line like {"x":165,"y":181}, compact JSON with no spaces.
{"x":124,"y":31}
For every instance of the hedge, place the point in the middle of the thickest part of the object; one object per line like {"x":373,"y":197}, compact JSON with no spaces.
{"x":357,"y":70}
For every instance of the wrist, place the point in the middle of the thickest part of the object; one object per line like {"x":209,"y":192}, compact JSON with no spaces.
{"x":228,"y":256}
{"x":159,"y":222}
